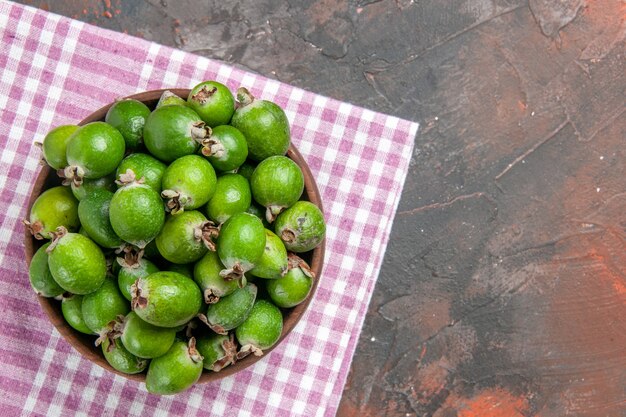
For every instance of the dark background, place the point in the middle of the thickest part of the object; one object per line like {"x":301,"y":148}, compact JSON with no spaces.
{"x":503,"y":291}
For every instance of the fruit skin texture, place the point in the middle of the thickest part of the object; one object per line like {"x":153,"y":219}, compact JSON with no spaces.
{"x":121,"y":359}
{"x":213,"y":102}
{"x":264,"y":124}
{"x":93,"y":212}
{"x":143,"y":166}
{"x":53,"y":208}
{"x":89,"y":186}
{"x":276,"y":183}
{"x":232,"y":310}
{"x":54,"y":145}
{"x":206,"y":273}
{"x":77,"y":264}
{"x":273,"y":262}
{"x":169,"y":132}
{"x":232,"y":196}
{"x":40,"y":277}
{"x":261,"y":330}
{"x":128,"y":275}
{"x":301,"y":227}
{"x":175,"y":371}
{"x":137,"y":214}
{"x":180,"y":240}
{"x":218,"y":350}
{"x":241,"y":244}
{"x":294,"y":287}
{"x":144,"y":340}
{"x":72,"y":309}
{"x":128,"y":116}
{"x":166,"y":299}
{"x":96,"y":149}
{"x":226,"y":149}
{"x":103,"y":306}
{"x":189,"y":182}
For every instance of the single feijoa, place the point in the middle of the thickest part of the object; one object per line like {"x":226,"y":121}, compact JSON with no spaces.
{"x":144,"y":167}
{"x":76,"y":263}
{"x":143,"y":339}
{"x":240,"y":245}
{"x":40,"y":277}
{"x":276,"y":183}
{"x":188,"y":183}
{"x":128,"y":274}
{"x":128,"y":116}
{"x":301,"y":227}
{"x":103,"y":306}
{"x":93,"y":212}
{"x":173,"y":131}
{"x":186,"y":237}
{"x":166,"y":299}
{"x":232,"y":196}
{"x":72,"y":309}
{"x":55,"y":207}
{"x":294,"y":287}
{"x":261,"y":329}
{"x":217,"y":350}
{"x":226,"y":148}
{"x":263,"y":123}
{"x":93,"y":151}
{"x":121,"y":359}
{"x":230,"y":311}
{"x":54,"y":146}
{"x":213,"y":102}
{"x":206,"y":273}
{"x":273,"y":262}
{"x":175,"y":371}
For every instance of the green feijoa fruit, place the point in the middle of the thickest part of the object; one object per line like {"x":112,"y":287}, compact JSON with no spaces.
{"x":276,"y":183}
{"x":226,"y":148}
{"x":168,"y":98}
{"x":121,"y":359}
{"x":173,"y":131}
{"x":129,"y":274}
{"x":93,"y":151}
{"x":184,"y":269}
{"x":89,"y":186}
{"x":273,"y":262}
{"x":72,"y":309}
{"x":137,"y":214}
{"x":54,"y":146}
{"x":175,"y":371}
{"x":186,"y":237}
{"x":301,"y":227}
{"x":240,"y":244}
{"x":213,"y":102}
{"x":232,"y":196}
{"x":54,"y":208}
{"x":144,"y":167}
{"x":246,"y":169}
{"x":128,"y":116}
{"x":264,"y":124}
{"x":103,"y":306}
{"x":93,"y":212}
{"x":230,"y":311}
{"x":143,"y":339}
{"x":206,"y":273}
{"x":40,"y":277}
{"x":294,"y":287}
{"x":76,"y":263}
{"x":218,"y":350}
{"x":261,"y":330}
{"x":166,"y":299}
{"x":188,"y":183}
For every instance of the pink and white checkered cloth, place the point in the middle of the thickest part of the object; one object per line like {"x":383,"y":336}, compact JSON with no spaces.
{"x":55,"y":70}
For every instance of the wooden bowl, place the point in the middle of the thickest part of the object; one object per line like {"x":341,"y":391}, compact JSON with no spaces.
{"x":84,"y":343}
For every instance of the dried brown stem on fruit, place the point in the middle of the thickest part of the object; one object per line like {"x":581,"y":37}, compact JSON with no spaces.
{"x":175,"y":201}
{"x":137,"y":300}
{"x":288,"y":235}
{"x":35,"y":229}
{"x":209,"y":297}
{"x":230,"y":354}
{"x":200,"y":131}
{"x":234,"y":273}
{"x":56,"y":236}
{"x":207,"y":232}
{"x":132,"y":256}
{"x":189,"y":327}
{"x":72,"y":175}
{"x":272,"y":212}
{"x":244,"y":97}
{"x":215,"y":327}
{"x":129,"y":177}
{"x":204,"y":94}
{"x":248,"y":349}
{"x":213,"y":147}
{"x":294,"y":261}
{"x":113,"y":330}
{"x":193,"y":352}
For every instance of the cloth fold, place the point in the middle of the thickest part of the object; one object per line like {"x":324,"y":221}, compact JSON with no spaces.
{"x":54,"y":70}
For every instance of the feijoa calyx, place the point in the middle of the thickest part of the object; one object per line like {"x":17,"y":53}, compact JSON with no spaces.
{"x":217,"y":350}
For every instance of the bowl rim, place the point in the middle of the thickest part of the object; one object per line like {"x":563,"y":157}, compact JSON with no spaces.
{"x":84,"y":343}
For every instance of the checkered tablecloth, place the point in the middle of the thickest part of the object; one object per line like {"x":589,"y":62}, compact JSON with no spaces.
{"x":55,"y":70}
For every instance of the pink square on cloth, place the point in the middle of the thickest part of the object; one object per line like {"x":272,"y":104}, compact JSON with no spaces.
{"x":55,"y":70}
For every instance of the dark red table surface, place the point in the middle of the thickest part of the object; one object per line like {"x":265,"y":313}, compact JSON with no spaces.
{"x":503,"y":291}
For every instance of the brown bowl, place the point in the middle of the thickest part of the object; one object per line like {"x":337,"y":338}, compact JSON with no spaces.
{"x":85,"y":344}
